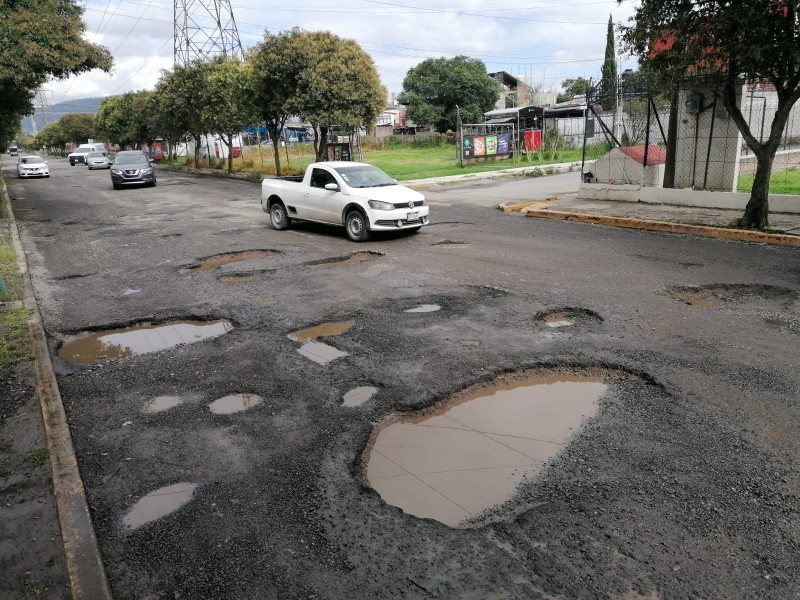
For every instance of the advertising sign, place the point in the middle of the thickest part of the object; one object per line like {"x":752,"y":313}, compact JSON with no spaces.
{"x":468,"y":149}
{"x":503,"y":144}
{"x":533,"y":140}
{"x":491,"y":145}
{"x":479,"y":144}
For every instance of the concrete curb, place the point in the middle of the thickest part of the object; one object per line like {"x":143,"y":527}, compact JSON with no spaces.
{"x":87,"y":574}
{"x":669,"y":227}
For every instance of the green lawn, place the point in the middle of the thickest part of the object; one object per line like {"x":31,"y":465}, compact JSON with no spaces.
{"x":782,"y":182}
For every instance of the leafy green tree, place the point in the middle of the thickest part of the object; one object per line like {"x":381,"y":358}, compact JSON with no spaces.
{"x":276,"y":74}
{"x":609,"y":71}
{"x":78,"y":127}
{"x":51,"y":137}
{"x":40,"y":39}
{"x":573,"y":87}
{"x":434,"y":88}
{"x":178,"y":106}
{"x":227,"y":101}
{"x":338,"y":85}
{"x":129,"y":119}
{"x":729,"y":43}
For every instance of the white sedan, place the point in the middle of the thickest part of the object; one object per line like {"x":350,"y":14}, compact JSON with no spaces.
{"x":32,"y":166}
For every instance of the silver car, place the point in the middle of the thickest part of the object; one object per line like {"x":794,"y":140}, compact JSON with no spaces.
{"x":97,"y":160}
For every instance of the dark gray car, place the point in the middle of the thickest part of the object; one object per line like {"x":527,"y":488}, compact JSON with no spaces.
{"x":132,"y":167}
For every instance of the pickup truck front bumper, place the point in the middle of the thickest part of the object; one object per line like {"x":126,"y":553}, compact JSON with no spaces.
{"x":389,"y":220}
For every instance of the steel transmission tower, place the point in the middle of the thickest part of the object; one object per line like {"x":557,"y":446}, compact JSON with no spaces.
{"x":205,"y":29}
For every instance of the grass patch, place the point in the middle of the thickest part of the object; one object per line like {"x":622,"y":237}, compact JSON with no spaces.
{"x":6,"y":446}
{"x":39,"y":456}
{"x":15,"y":342}
{"x":9,"y":270}
{"x":782,"y":182}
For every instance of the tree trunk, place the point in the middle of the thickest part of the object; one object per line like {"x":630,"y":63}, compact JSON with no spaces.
{"x":276,"y":149}
{"x":672,"y":140}
{"x":756,"y":213}
{"x":229,"y":143}
{"x":321,"y":143}
{"x":197,"y":143}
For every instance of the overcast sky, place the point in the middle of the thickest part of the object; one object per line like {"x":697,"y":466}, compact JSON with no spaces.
{"x":546,"y":41}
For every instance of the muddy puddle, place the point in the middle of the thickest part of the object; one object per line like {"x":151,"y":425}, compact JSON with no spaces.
{"x":139,"y":339}
{"x":317,"y":331}
{"x":161,"y":404}
{"x":711,"y":296}
{"x":358,"y":396}
{"x":454,"y":462}
{"x":345,"y":261}
{"x":558,"y":320}
{"x":567,"y":317}
{"x":158,"y":504}
{"x":424,"y":308}
{"x":234,"y":403}
{"x":215,"y":262}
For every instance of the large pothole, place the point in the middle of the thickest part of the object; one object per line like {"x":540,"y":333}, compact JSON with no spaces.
{"x":345,"y":261}
{"x":567,"y":317}
{"x":457,"y":460}
{"x":139,"y":339}
{"x":219,"y":260}
{"x":709,"y":296}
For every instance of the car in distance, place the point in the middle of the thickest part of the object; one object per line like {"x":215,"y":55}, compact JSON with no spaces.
{"x":358,"y":196}
{"x":13,"y":151}
{"x":97,"y":160}
{"x":81,"y":152}
{"x":132,"y":167}
{"x":32,"y":166}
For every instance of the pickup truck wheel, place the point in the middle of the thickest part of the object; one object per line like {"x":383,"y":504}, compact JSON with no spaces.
{"x":277,"y":217}
{"x":355,"y":224}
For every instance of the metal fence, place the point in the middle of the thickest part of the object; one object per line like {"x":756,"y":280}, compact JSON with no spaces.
{"x":709,"y":151}
{"x":481,"y":142}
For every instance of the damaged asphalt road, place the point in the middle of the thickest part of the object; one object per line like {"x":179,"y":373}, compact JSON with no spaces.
{"x":684,"y":483}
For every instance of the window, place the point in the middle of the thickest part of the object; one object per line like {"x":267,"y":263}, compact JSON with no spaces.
{"x":320,"y":178}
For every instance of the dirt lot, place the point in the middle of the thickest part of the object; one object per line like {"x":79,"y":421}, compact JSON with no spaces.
{"x":681,"y":481}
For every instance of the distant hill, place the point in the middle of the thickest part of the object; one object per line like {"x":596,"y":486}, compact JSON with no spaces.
{"x":32,"y":124}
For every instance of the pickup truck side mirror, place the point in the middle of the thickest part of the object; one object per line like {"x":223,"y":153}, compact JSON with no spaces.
{"x":332,"y":187}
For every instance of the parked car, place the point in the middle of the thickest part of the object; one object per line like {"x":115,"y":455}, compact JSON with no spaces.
{"x":98,"y":160}
{"x":132,"y":167}
{"x":81,"y":152}
{"x":32,"y":166}
{"x":13,"y":151}
{"x":356,"y":195}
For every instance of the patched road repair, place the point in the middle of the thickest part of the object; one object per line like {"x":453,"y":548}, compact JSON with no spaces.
{"x":495,"y":407}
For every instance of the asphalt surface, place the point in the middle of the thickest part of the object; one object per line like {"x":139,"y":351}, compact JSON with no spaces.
{"x":685,"y":485}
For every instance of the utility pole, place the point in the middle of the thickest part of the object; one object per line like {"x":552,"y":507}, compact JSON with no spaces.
{"x":205,"y":29}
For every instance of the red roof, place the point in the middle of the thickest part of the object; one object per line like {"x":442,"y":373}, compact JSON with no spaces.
{"x":656,"y":155}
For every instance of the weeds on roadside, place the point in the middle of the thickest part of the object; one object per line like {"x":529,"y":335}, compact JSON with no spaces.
{"x":15,"y":341}
{"x":39,"y":456}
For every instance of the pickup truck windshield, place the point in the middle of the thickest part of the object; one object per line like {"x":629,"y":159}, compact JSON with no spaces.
{"x":363,"y":176}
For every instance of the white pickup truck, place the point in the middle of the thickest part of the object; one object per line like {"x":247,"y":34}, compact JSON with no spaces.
{"x":81,"y":152}
{"x":356,"y":195}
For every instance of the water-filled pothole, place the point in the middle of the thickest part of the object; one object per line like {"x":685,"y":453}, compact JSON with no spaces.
{"x":317,"y":331}
{"x":424,"y":308}
{"x":709,"y":296}
{"x":566,"y":317}
{"x":345,"y":261}
{"x":358,"y":396}
{"x":218,"y":260}
{"x":234,"y":403}
{"x":159,"y":503}
{"x":320,"y":353}
{"x":454,"y":462}
{"x":139,"y":339}
{"x":161,"y":403}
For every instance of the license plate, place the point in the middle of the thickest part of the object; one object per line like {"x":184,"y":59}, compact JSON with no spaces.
{"x":412,"y":216}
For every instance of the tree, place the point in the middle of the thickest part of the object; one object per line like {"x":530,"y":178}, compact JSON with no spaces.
{"x":276,"y":74}
{"x":227,"y":101}
{"x":609,"y":72}
{"x":728,"y":43}
{"x":51,"y":137}
{"x":573,"y":87}
{"x":77,"y":127}
{"x":338,"y":84}
{"x":129,"y":119}
{"x":40,"y":39}
{"x":434,"y":88}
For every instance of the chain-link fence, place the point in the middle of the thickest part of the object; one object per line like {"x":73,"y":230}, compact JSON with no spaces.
{"x":708,"y":151}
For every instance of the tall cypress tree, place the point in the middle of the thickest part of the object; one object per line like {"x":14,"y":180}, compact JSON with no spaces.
{"x":609,"y":96}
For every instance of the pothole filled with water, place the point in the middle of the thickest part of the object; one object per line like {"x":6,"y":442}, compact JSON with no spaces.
{"x":566,"y":317}
{"x":455,"y":461}
{"x":160,"y":404}
{"x":317,"y":331}
{"x":358,"y":396}
{"x":139,"y":339}
{"x":218,"y":260}
{"x":345,"y":261}
{"x":320,"y":353}
{"x":158,"y":504}
{"x":710,"y":296}
{"x":424,"y":308}
{"x":234,"y":403}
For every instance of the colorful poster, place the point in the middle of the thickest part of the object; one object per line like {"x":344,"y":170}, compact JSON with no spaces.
{"x":467,"y":148}
{"x":491,"y":145}
{"x":503,"y":144}
{"x":533,"y":140}
{"x":479,"y":144}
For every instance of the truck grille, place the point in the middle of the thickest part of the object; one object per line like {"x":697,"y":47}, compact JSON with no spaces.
{"x":405,"y":204}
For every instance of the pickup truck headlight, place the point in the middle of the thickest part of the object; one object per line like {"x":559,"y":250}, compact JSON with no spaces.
{"x":378,"y":205}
